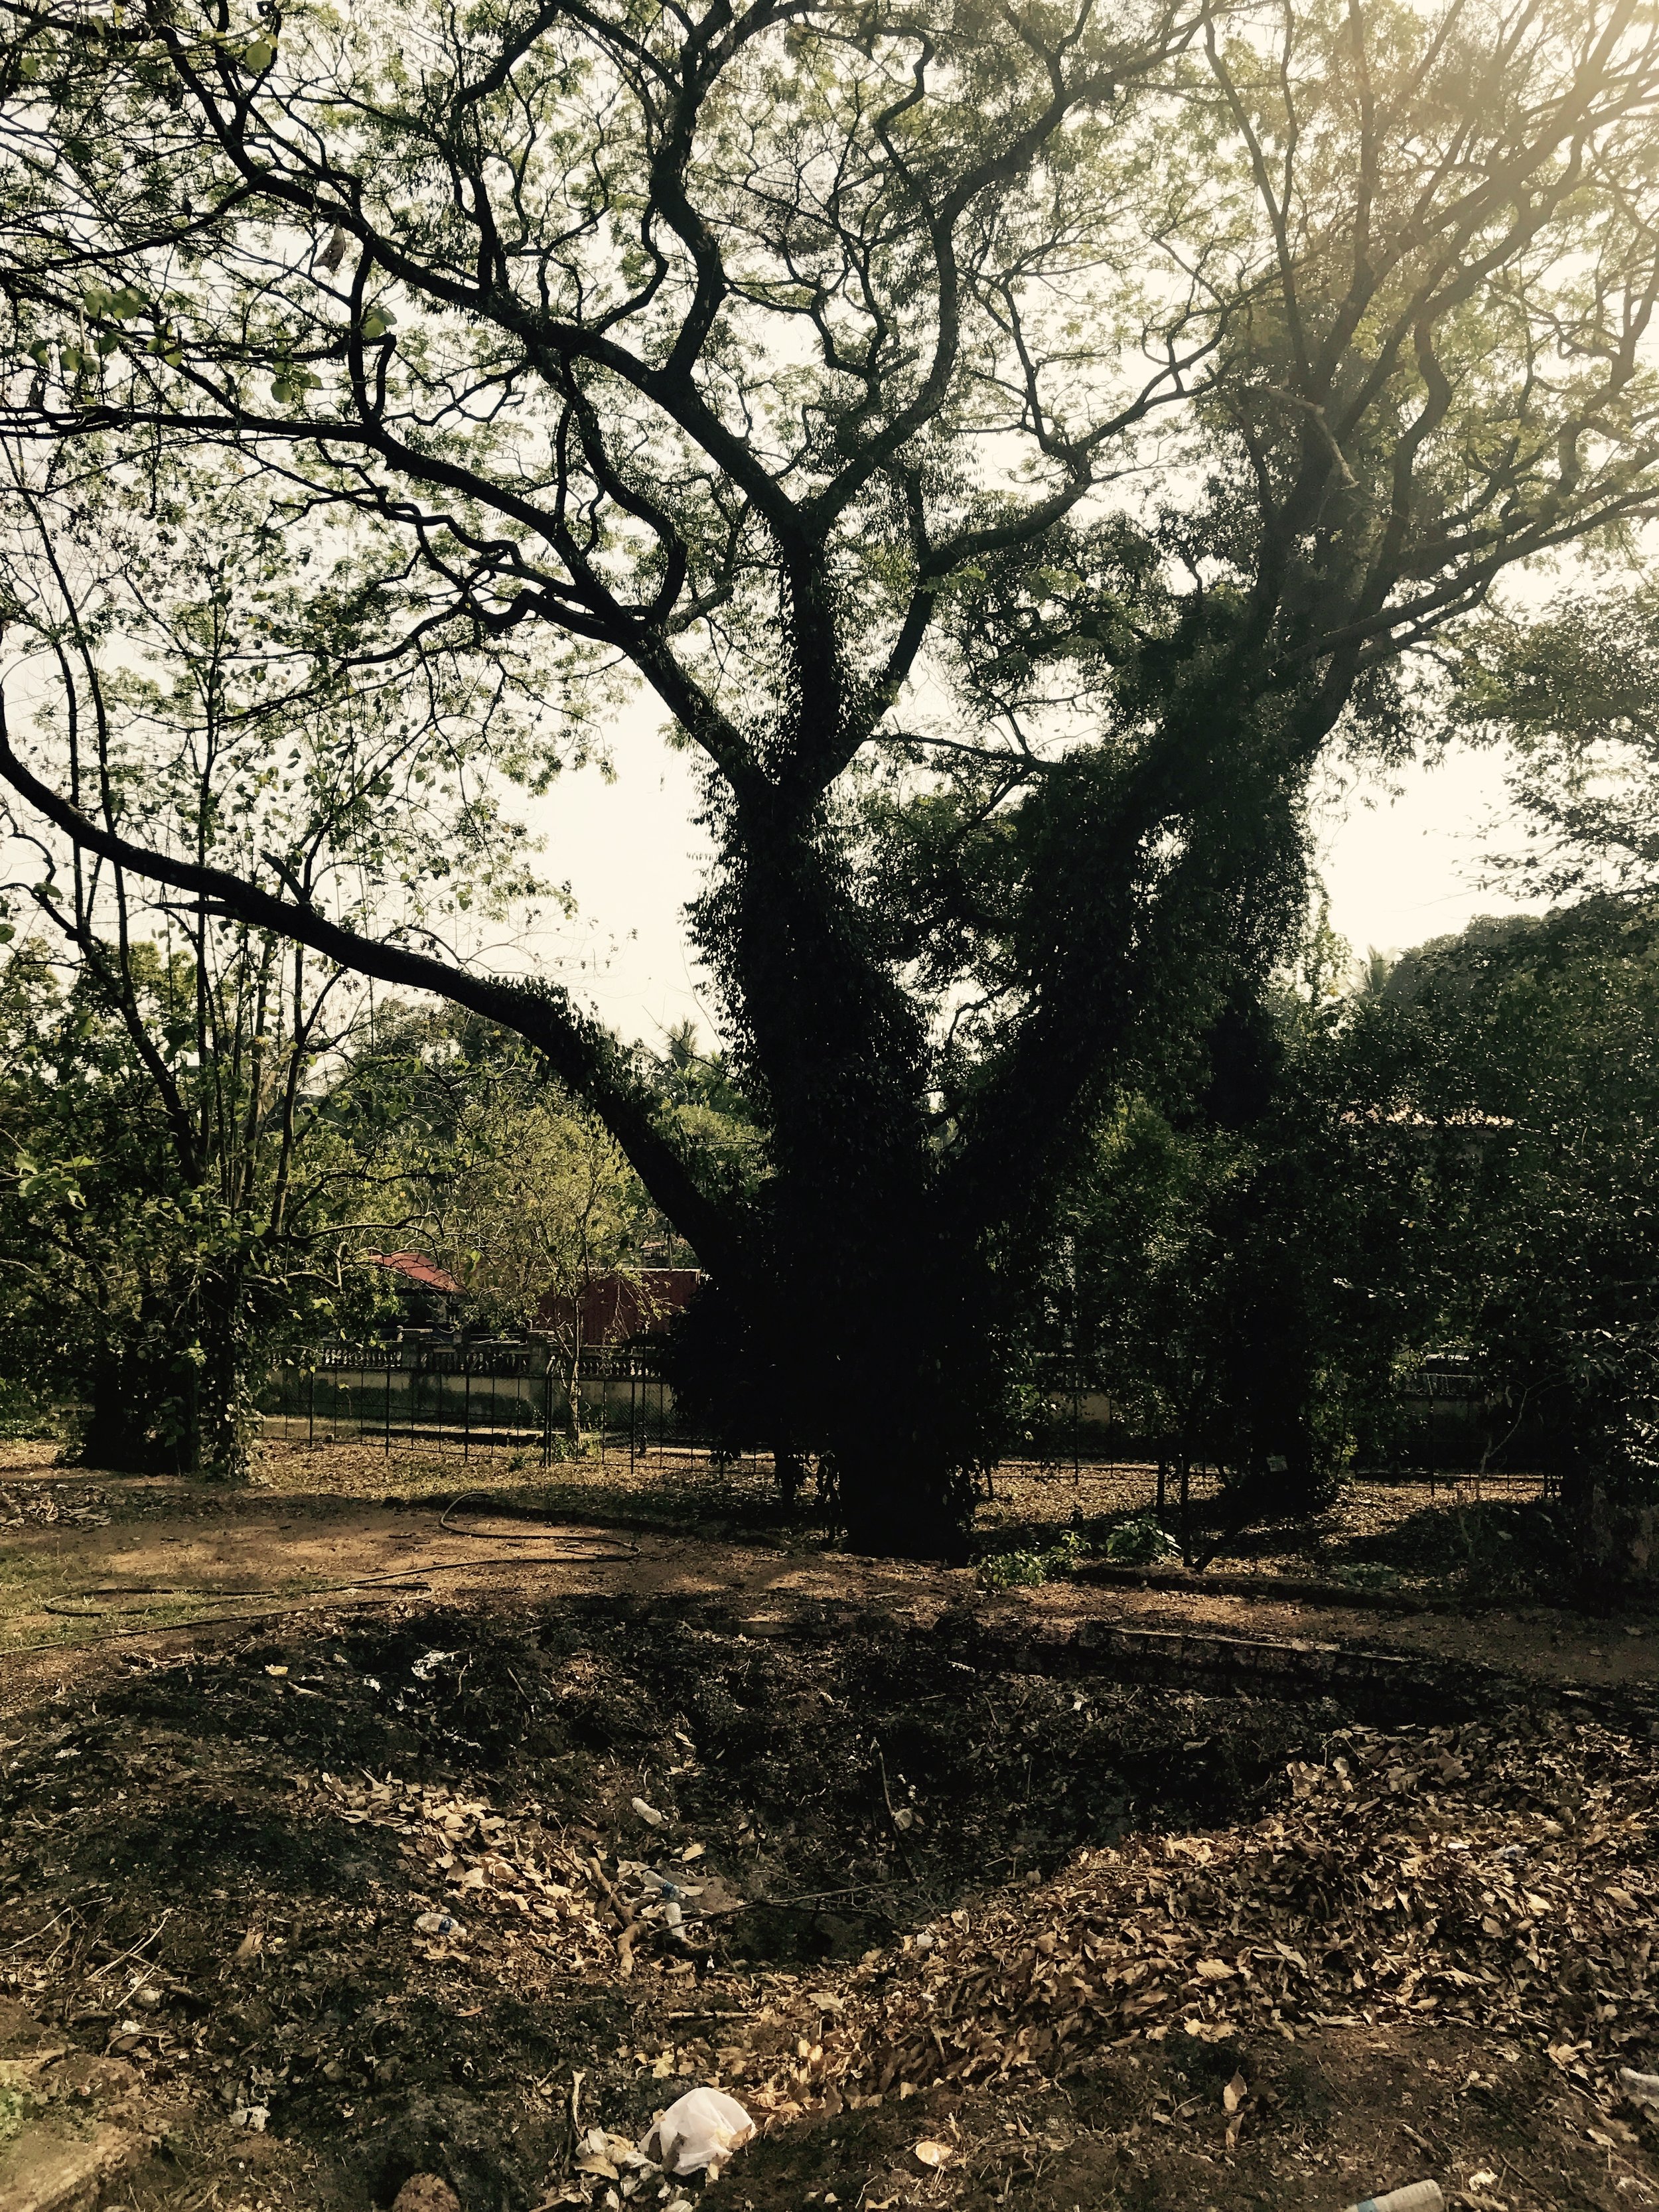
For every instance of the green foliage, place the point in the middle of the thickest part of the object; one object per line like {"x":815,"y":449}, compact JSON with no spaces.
{"x":1531,"y":1044}
{"x":1460,"y":1151}
{"x":1028,"y":1568}
{"x":1137,"y":1542}
{"x":1575,"y":695}
{"x":1022,"y":1570}
{"x":1141,"y":1542}
{"x":24,"y":1417}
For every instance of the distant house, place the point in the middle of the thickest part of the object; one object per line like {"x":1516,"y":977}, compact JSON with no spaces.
{"x":615,"y":1309}
{"x":426,"y":1292}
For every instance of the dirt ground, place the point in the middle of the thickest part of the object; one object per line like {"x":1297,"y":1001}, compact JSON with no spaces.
{"x":966,"y":1911}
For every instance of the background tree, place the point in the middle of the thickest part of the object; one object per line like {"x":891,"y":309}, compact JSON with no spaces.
{"x":1536,"y":1036}
{"x":1252,"y":1251}
{"x":145,"y":1294}
{"x":186,"y":1052}
{"x":1454,"y":1154}
{"x":1150,"y":390}
{"x":532,"y":1205}
{"x":1574,"y":694}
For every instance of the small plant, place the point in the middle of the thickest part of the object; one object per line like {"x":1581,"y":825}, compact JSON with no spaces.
{"x":14,"y":2113}
{"x":1014,"y":1570}
{"x":1027,"y":1569}
{"x":1141,"y":1542}
{"x":1367,"y":1575}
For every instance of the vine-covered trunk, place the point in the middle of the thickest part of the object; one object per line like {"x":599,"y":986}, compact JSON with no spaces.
{"x":858,"y":1328}
{"x":173,"y":1389}
{"x":226,"y":1420}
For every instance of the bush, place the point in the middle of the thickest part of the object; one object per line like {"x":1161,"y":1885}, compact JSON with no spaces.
{"x":24,"y":1418}
{"x":1141,"y":1543}
{"x":1026,"y":1570}
{"x":1014,"y":1570}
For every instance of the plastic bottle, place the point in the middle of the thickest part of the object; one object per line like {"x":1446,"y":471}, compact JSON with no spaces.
{"x":1415,"y":2196}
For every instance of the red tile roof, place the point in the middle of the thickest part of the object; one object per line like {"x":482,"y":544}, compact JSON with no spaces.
{"x":416,"y":1268}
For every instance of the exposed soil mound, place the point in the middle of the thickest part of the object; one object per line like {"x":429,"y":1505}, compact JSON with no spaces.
{"x":435,"y":1897}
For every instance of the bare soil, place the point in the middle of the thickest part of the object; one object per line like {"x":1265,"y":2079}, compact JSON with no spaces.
{"x":1026,"y":1911}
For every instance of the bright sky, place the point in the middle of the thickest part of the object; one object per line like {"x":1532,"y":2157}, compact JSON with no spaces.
{"x":1399,"y":870}
{"x":1403,"y":869}
{"x":629,"y":850}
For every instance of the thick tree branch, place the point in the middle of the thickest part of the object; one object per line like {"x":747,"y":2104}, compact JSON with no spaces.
{"x":581,"y":1053}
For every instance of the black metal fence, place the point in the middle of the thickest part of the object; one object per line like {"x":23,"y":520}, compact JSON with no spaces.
{"x":450,"y":1397}
{"x":445,"y":1396}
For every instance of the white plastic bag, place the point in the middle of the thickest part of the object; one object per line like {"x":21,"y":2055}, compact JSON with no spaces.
{"x":1415,"y":2196}
{"x":699,"y":2132}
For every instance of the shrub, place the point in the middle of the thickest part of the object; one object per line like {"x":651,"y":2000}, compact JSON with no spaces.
{"x":1141,"y":1542}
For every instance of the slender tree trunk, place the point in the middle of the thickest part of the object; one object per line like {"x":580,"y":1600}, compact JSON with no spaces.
{"x":225,"y":1422}
{"x":790,"y":1469}
{"x":573,"y":1372}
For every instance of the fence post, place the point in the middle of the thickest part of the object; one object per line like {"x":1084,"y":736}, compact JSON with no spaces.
{"x":311,"y":1413}
{"x":466,"y":1406}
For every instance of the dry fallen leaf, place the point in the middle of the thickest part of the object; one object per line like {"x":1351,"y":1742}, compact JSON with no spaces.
{"x":932,"y":2153}
{"x":1234,"y":2094}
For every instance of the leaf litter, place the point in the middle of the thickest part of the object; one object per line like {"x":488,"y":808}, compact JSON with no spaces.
{"x":395,"y":1898}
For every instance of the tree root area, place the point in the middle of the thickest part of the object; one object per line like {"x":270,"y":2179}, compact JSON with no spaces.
{"x":475,"y":1893}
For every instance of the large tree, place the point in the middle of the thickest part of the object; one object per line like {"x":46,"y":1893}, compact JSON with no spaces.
{"x":1010,"y":446}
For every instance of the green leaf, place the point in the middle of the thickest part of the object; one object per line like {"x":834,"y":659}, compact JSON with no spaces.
{"x":259,"y":56}
{"x":377,"y":322}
